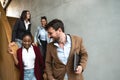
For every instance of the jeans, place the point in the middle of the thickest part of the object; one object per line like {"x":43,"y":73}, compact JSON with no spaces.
{"x":29,"y":74}
{"x":19,"y":42}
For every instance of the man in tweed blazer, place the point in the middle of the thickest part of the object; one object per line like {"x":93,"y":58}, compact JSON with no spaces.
{"x":60,"y":53}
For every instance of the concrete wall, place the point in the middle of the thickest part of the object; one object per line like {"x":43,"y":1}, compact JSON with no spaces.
{"x":96,"y":21}
{"x":17,"y":6}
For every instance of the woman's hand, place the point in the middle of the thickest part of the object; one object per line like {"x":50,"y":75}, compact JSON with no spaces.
{"x":12,"y":48}
{"x":34,"y":44}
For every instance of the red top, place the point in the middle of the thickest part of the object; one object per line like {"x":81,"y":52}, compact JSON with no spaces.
{"x":39,"y":64}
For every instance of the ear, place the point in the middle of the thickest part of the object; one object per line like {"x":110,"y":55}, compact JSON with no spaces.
{"x":59,"y":29}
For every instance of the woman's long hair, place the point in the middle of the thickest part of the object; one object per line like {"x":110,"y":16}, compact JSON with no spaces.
{"x":24,"y":15}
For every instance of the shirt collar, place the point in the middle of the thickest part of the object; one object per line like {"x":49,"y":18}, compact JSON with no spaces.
{"x":28,"y":48}
{"x":68,"y":41}
{"x":42,"y":27}
{"x":26,"y":22}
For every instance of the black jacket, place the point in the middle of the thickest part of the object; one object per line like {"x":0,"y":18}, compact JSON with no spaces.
{"x":19,"y":29}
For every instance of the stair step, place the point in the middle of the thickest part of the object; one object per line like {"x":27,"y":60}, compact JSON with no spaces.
{"x":12,"y":21}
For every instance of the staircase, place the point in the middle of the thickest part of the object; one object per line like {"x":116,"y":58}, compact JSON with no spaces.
{"x":8,"y":71}
{"x":12,"y":21}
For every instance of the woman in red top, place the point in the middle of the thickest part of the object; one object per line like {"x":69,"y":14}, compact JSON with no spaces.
{"x":29,"y":60}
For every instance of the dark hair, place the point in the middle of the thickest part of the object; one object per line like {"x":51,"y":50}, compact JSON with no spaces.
{"x":44,"y":17}
{"x":55,"y":24}
{"x":27,"y":33}
{"x":24,"y":14}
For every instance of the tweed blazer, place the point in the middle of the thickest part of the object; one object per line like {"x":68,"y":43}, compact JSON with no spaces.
{"x":56,"y":69}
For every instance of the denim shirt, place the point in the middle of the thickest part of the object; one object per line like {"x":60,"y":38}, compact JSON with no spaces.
{"x":63,"y":54}
{"x":37,"y":35}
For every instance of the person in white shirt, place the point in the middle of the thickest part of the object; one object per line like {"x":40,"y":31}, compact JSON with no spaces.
{"x":59,"y":63}
{"x":28,"y":59}
{"x":41,"y":37}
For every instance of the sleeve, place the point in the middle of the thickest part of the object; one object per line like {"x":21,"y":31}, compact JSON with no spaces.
{"x":30,"y":27}
{"x":36,"y":35}
{"x":40,"y":58}
{"x":83,"y":55}
{"x":48,"y":63}
{"x":14,"y":31}
{"x":18,"y":65}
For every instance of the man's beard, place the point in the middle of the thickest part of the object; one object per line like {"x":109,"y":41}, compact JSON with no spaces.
{"x":55,"y":39}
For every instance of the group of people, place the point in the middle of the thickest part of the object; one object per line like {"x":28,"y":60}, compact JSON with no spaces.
{"x":50,"y":51}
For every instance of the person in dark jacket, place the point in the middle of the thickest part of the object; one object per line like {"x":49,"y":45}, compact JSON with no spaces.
{"x":22,"y":25}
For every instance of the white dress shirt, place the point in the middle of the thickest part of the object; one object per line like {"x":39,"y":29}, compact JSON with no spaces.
{"x":43,"y":34}
{"x":28,"y":57}
{"x":63,"y":54}
{"x":26,"y":24}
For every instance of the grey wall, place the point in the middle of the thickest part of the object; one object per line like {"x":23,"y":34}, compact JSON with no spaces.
{"x":96,"y":21}
{"x":17,"y":6}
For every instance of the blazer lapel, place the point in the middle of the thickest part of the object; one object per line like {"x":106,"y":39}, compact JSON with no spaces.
{"x":23,"y":25}
{"x":72,"y":50}
{"x":29,"y":27}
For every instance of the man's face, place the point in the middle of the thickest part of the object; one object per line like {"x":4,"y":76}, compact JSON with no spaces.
{"x":53,"y":34}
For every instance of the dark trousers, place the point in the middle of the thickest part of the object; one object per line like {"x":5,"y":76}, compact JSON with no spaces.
{"x":43,"y":48}
{"x":43,"y":51}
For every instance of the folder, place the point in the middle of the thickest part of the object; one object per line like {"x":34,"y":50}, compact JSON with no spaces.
{"x":76,"y":60}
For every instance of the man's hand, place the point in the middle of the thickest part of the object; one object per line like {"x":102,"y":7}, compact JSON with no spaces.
{"x":79,"y":70}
